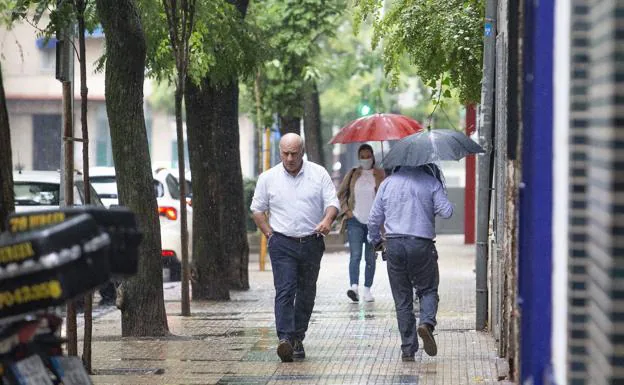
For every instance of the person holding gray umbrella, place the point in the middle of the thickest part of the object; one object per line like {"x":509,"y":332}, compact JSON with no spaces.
{"x":430,"y":146}
{"x":406,"y":204}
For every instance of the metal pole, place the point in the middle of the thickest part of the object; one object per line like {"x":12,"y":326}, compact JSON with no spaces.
{"x":267,"y":165}
{"x":485,"y":137}
{"x":68,"y":189}
{"x":469,"y":192}
{"x":65,"y":74}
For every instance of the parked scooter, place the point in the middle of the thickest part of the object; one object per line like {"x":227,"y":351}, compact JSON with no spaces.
{"x":46,"y":259}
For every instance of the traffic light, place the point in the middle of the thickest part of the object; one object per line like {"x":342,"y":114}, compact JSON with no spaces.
{"x":364,"y":109}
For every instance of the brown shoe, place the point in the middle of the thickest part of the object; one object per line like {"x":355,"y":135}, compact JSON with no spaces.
{"x":285,"y":351}
{"x":425,"y":331}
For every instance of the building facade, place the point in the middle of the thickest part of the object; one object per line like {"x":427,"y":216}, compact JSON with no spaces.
{"x":34,"y":100}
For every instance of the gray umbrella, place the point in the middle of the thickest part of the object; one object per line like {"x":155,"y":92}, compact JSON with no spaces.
{"x":430,"y":146}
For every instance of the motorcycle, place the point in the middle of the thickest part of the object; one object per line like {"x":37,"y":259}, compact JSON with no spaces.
{"x":47,"y":259}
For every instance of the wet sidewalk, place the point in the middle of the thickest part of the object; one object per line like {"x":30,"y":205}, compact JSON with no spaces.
{"x":234,"y":342}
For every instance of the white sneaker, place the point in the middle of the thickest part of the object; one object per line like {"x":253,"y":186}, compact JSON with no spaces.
{"x":367,"y":295}
{"x":353,"y":293}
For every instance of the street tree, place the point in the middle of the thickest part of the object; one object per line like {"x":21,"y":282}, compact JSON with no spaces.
{"x":141,"y":297}
{"x":220,"y":236}
{"x":81,"y":7}
{"x":180,"y":20}
{"x":312,"y":123}
{"x":442,"y":39}
{"x":63,"y":17}
{"x":233,"y":214}
{"x":221,"y":48}
{"x":352,"y":78}
{"x":288,"y":84}
{"x":7,"y":203}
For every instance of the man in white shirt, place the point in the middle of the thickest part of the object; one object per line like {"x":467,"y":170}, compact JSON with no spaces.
{"x":301,"y":200}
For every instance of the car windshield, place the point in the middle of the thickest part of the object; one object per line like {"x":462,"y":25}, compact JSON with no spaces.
{"x":111,"y":179}
{"x":47,"y":194}
{"x":103,"y":179}
{"x":36,"y":194}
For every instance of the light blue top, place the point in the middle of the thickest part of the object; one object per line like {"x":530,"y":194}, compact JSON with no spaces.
{"x":406,"y":204}
{"x":296,"y":204}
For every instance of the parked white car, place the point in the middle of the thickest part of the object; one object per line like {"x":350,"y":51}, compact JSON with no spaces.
{"x":40,"y":190}
{"x":167,"y":190}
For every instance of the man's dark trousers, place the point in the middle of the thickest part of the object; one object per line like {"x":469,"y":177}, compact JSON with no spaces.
{"x":296,"y":266}
{"x":413,"y":264}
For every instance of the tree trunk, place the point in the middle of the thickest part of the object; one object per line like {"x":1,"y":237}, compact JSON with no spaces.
{"x":84,"y":92}
{"x":141,"y":297}
{"x":312,"y":125}
{"x":234,"y":213}
{"x":290,"y":124}
{"x":233,"y":227}
{"x":7,"y":204}
{"x":204,"y":118}
{"x":179,"y":93}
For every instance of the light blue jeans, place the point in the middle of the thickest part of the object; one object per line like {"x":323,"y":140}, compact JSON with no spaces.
{"x":356,"y":234}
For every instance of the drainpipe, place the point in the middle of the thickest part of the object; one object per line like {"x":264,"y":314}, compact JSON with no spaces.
{"x":485,"y":160}
{"x":469,"y":190}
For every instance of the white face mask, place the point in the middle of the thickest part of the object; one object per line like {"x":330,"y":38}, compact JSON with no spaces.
{"x":366,"y":164}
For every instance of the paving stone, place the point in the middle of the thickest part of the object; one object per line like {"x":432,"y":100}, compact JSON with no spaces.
{"x":234,"y":342}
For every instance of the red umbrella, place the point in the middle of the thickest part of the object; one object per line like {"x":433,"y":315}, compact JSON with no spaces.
{"x":377,"y":127}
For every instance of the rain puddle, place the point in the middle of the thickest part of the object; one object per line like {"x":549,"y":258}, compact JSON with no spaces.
{"x":128,"y":371}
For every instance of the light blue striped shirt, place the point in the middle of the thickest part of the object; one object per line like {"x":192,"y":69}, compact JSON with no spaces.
{"x":406,"y":204}
{"x":297,"y":204}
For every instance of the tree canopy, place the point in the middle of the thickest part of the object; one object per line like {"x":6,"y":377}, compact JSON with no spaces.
{"x":60,"y":14}
{"x":293,"y":31}
{"x":441,"y":38}
{"x":218,"y":32}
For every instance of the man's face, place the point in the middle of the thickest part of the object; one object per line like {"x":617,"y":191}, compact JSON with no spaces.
{"x":292,"y":156}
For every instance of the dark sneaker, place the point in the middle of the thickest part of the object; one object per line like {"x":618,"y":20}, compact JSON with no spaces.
{"x":298,"y":350}
{"x":285,"y":351}
{"x":353,"y":295}
{"x":408,"y":358}
{"x":425,"y":331}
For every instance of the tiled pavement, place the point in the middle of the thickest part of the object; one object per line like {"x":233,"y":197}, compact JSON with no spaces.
{"x":234,"y":342}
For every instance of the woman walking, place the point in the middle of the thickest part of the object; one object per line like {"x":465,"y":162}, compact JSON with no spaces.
{"x":356,"y":193}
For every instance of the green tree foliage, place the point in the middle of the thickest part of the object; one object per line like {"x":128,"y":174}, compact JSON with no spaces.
{"x":218,"y":34}
{"x":294,"y":31}
{"x":60,"y":14}
{"x":441,"y":38}
{"x":223,"y":46}
{"x":352,"y":76}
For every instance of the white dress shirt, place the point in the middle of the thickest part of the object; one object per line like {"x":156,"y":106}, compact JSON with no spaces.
{"x":296,"y":204}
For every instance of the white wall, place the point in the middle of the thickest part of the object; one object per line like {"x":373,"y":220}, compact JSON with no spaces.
{"x":561,"y":184}
{"x":31,"y":89}
{"x":247,"y":149}
{"x":24,"y":76}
